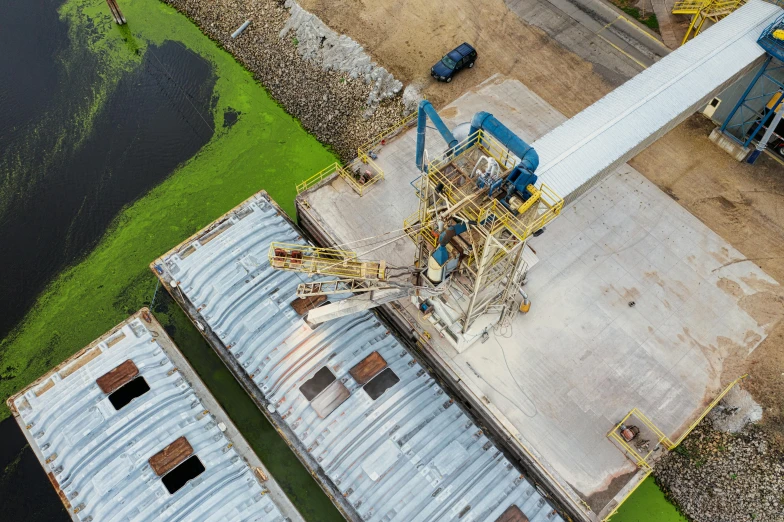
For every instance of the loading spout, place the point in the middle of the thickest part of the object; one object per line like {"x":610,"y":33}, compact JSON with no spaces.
{"x":529,"y":159}
{"x":426,"y":110}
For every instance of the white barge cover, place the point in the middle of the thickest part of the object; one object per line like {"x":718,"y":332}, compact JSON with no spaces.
{"x":99,"y":458}
{"x":578,"y":153}
{"x":382,"y":433}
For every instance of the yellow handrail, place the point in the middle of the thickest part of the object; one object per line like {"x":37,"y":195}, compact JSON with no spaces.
{"x":689,"y":6}
{"x":360,"y":187}
{"x":326,"y":261}
{"x":364,"y":150}
{"x":708,"y":409}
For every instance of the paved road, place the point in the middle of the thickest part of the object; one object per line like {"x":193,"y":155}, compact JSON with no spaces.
{"x":616,"y":45}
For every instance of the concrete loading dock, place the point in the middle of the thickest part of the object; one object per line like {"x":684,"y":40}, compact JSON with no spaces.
{"x":583,"y":357}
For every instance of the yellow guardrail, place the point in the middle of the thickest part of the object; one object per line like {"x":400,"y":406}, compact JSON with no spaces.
{"x":364,"y":150}
{"x":689,"y":7}
{"x":318,"y":177}
{"x":642,"y":461}
{"x":708,"y":409}
{"x":360,"y":183}
{"x":491,"y":213}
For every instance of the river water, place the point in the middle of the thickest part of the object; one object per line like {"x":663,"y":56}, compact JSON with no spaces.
{"x":61,"y":188}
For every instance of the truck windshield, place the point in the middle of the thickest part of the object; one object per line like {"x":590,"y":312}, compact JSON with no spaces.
{"x":446,"y":60}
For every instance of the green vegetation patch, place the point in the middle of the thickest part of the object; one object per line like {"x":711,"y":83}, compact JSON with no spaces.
{"x":647,"y":18}
{"x":647,"y":504}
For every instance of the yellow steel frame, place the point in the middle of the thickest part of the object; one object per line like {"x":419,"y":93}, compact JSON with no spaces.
{"x":713,"y":10}
{"x":493,"y":215}
{"x":345,"y":173}
{"x":640,"y":460}
{"x":689,"y":7}
{"x":325,"y":261}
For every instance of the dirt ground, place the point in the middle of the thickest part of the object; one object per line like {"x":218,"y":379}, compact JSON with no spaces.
{"x":409,"y":36}
{"x":744,"y":204}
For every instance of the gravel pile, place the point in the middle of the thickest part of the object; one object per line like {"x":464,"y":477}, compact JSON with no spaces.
{"x":331,"y":86}
{"x":714,"y":476}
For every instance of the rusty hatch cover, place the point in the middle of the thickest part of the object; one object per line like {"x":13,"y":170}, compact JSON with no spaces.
{"x":115,"y":378}
{"x":171,"y":456}
{"x":303,"y":305}
{"x":367,"y":368}
{"x":512,"y":514}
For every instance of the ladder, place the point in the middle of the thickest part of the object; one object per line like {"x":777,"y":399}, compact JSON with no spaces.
{"x":324,"y":261}
{"x":338,"y":286}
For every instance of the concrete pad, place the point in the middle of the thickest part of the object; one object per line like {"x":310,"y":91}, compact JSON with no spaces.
{"x":635,"y":303}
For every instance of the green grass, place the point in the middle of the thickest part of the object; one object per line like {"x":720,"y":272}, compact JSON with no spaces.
{"x":265,"y":149}
{"x":648,"y":19}
{"x":648,"y":504}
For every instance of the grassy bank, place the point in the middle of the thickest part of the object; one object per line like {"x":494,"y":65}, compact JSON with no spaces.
{"x":264,"y":148}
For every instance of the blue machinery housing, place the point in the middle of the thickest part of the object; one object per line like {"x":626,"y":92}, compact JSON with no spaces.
{"x":751,"y":121}
{"x":516,"y":182}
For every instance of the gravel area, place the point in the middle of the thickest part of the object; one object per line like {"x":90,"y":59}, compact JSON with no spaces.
{"x":341,"y":108}
{"x":715,"y":476}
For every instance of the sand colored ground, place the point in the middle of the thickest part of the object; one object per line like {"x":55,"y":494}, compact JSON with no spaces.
{"x":742,"y":203}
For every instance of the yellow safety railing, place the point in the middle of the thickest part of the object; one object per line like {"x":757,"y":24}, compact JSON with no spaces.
{"x":364,"y":150}
{"x":414,"y":229}
{"x":713,"y":10}
{"x":708,"y":409}
{"x":318,"y":177}
{"x":642,"y":461}
{"x":689,"y":7}
{"x":360,"y":183}
{"x":327,"y":261}
{"x":490,"y":212}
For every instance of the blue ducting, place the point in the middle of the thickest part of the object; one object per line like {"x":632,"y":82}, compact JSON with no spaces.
{"x":426,"y":110}
{"x":529,"y":159}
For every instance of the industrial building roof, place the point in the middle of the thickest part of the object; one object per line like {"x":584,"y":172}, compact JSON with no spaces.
{"x":580,"y":151}
{"x":119,"y":426}
{"x":382,"y":430}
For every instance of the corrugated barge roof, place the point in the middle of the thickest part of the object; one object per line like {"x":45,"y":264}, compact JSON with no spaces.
{"x":365,"y":416}
{"x":124,"y":433}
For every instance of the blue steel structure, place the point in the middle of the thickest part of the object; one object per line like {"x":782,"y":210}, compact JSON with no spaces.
{"x":753,"y":119}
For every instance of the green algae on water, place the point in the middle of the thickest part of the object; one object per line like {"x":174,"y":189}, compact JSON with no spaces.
{"x":264,"y":148}
{"x":648,"y":504}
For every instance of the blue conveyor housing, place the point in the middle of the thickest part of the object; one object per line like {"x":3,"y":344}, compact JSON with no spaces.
{"x":485,"y":121}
